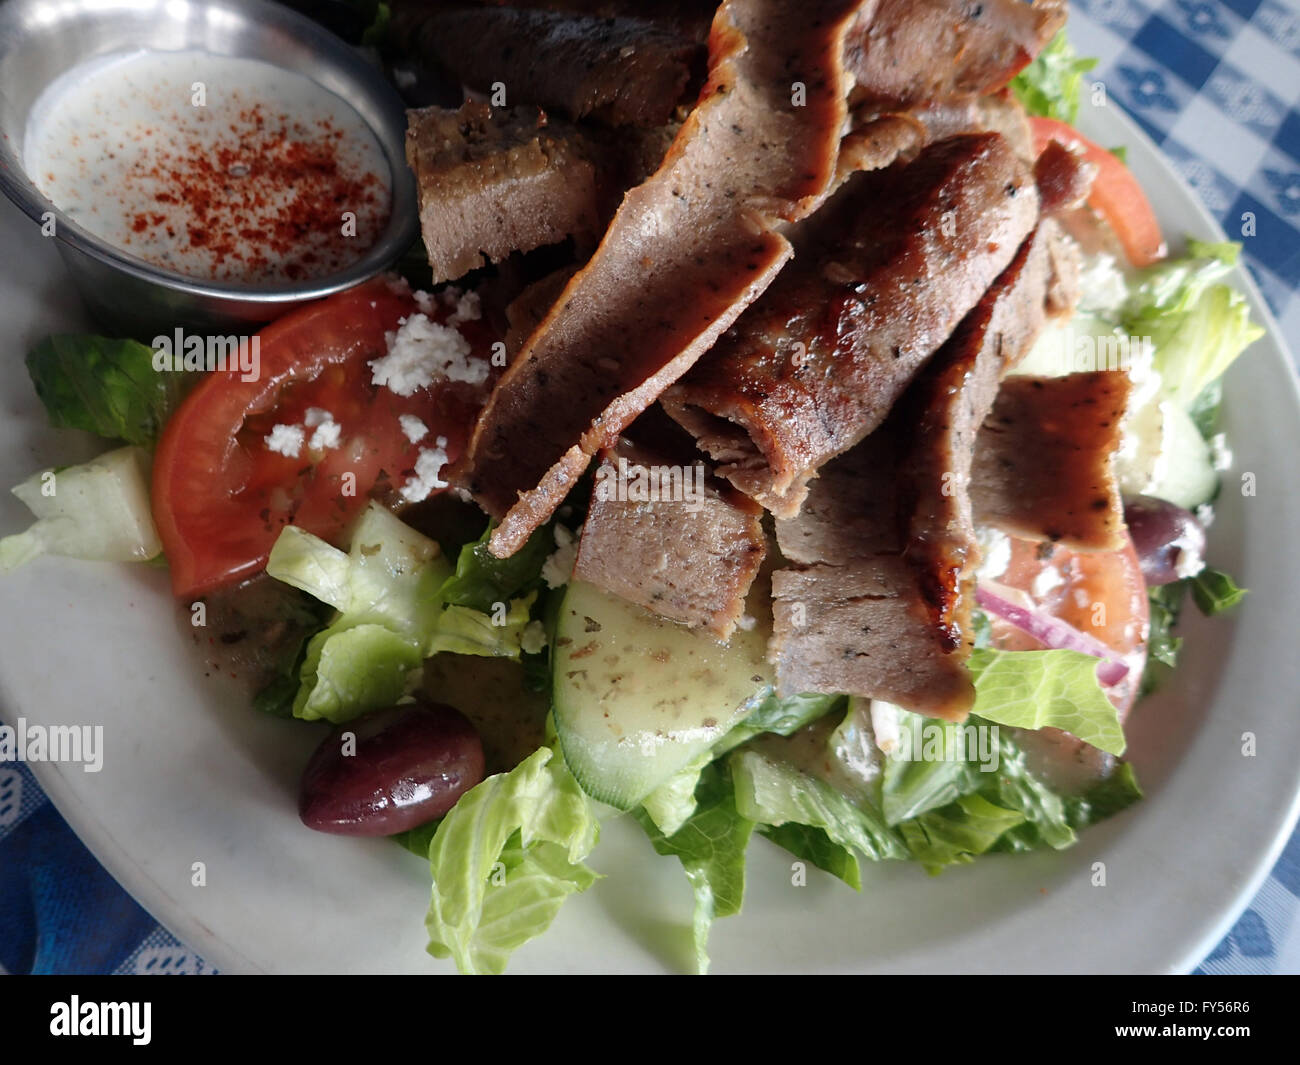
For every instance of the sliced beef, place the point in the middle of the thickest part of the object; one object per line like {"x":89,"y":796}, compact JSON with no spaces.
{"x":495,"y":181}
{"x":852,"y":617}
{"x":618,"y":70}
{"x":884,"y":547}
{"x":687,"y":251}
{"x":1044,"y":459}
{"x":816,"y":365}
{"x":914,"y":51}
{"x":665,"y":535}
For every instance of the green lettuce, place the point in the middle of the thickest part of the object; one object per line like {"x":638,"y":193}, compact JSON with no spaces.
{"x":1050,"y":85}
{"x":956,"y":833}
{"x":504,"y":859}
{"x":385,"y":593}
{"x":796,"y":808}
{"x":97,"y":510}
{"x":482,"y":580}
{"x":1041,"y":689}
{"x":1214,"y":591}
{"x":103,"y":386}
{"x":462,"y":630}
{"x":711,"y":846}
{"x":1197,"y":325}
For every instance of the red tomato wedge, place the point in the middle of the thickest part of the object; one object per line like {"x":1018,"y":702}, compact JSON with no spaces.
{"x":221,"y":496}
{"x":1116,"y":194}
{"x":1100,"y":593}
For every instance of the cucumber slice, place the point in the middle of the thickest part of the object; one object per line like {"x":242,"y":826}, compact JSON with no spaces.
{"x":637,"y":698}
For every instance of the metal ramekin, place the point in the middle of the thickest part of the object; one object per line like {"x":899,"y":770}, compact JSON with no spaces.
{"x":41,"y":39}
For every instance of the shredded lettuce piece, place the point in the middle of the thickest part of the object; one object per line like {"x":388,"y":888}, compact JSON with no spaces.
{"x":1214,"y":591}
{"x":956,"y":833}
{"x":1197,"y":325}
{"x":385,"y":592}
{"x":1050,"y":85}
{"x":103,"y":386}
{"x":462,"y":630}
{"x":482,"y":580}
{"x":775,"y":794}
{"x":504,"y":859}
{"x":97,"y":510}
{"x":711,"y":846}
{"x":1040,"y":689}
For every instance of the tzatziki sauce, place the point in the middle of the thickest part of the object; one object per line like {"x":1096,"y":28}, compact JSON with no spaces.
{"x":214,"y":167}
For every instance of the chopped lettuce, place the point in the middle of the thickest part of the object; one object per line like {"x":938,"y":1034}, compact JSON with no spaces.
{"x":774,"y":793}
{"x":671,"y":804}
{"x":385,"y":592}
{"x":711,"y":846}
{"x":97,"y":510}
{"x":956,"y":833}
{"x":462,"y":630}
{"x":910,"y":787}
{"x":1050,"y":85}
{"x":482,"y":580}
{"x":1038,"y":689}
{"x":108,"y":387}
{"x":1214,"y":591}
{"x":504,"y":859}
{"x":1197,"y":325}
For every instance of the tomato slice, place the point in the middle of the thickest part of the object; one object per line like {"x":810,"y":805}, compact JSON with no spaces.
{"x":1116,"y":194}
{"x":221,"y":496}
{"x":1101,"y":593}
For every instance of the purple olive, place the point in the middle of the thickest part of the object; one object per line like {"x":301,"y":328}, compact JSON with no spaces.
{"x":390,"y":771}
{"x":1170,"y":542}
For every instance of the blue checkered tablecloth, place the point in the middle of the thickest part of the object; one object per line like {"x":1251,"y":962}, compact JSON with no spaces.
{"x":1216,"y":83}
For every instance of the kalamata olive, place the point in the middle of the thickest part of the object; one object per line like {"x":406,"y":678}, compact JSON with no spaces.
{"x":1170,"y":541}
{"x":390,"y":771}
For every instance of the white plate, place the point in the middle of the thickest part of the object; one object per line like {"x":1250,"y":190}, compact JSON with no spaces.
{"x":192,"y":774}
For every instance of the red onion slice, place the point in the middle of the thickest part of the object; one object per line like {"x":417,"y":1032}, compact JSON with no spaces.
{"x":1055,"y":633}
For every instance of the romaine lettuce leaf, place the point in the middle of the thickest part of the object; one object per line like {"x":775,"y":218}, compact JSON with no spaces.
{"x":481,"y":579}
{"x":1197,"y":325}
{"x":385,"y":591}
{"x":770,"y":792}
{"x":98,"y":510}
{"x":1040,"y":689}
{"x":711,"y":847}
{"x":1050,"y":85}
{"x":956,"y":833}
{"x":504,"y":859}
{"x":108,"y":387}
{"x":1214,"y":591}
{"x":462,"y":630}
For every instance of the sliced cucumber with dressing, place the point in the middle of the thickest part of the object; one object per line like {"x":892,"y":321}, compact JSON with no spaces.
{"x":637,"y":698}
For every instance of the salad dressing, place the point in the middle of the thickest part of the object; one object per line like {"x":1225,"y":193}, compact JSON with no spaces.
{"x":217,"y":168}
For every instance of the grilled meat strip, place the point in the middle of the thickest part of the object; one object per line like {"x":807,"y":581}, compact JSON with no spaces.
{"x":687,"y":251}
{"x":816,"y":365}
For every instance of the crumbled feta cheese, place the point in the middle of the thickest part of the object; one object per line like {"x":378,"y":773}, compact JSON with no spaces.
{"x":995,"y":553}
{"x":424,"y":300}
{"x":1188,"y":563}
{"x":422,"y":352}
{"x":412,"y":428}
{"x":1102,"y":289}
{"x":285,"y":440}
{"x":746,"y":622}
{"x":1049,"y":577}
{"x":316,"y":416}
{"x":428,"y":470}
{"x":1205,"y":515}
{"x":558,"y":567}
{"x":328,"y":434}
{"x":533,"y":638}
{"x":469,"y":308}
{"x":1220,"y":453}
